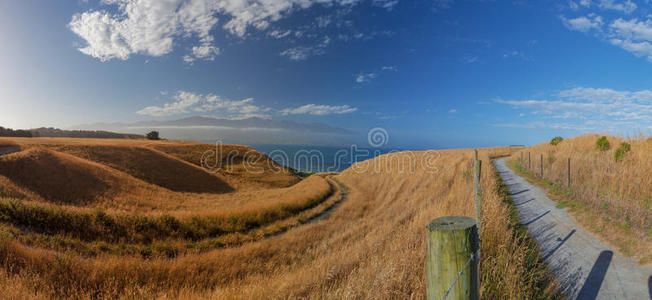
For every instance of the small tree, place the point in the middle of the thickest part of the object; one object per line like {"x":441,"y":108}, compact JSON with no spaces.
{"x":620,"y":152}
{"x":556,"y":140}
{"x":153,"y":135}
{"x":602,"y":144}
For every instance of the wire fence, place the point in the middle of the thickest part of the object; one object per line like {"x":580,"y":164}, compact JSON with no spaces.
{"x":466,"y":266}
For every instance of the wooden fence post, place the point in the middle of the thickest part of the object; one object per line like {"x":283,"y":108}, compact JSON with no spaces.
{"x":451,"y":244}
{"x":477,"y":174}
{"x":569,"y":181}
{"x":529,"y":161}
{"x":541,"y":165}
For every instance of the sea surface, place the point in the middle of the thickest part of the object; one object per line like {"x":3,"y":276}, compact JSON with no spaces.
{"x":315,"y":159}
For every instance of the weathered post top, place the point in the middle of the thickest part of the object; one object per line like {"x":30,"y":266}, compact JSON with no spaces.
{"x":451,"y":223}
{"x":451,"y":260}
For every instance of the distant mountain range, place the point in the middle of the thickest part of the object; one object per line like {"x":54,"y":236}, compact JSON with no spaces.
{"x":249,"y":123}
{"x":244,"y":131}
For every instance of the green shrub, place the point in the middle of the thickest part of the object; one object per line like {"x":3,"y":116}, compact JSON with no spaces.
{"x":556,"y":140}
{"x":620,"y":152}
{"x":602,"y":144}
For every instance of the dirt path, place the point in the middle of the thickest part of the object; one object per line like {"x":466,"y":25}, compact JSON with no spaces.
{"x":329,"y":210}
{"x":586,"y":267}
{"x":8,"y":149}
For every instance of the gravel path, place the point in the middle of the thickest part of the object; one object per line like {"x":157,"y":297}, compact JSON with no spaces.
{"x":586,"y":267}
{"x":8,"y":149}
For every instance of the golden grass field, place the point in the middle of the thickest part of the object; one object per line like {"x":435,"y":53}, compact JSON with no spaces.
{"x":612,"y":198}
{"x":169,"y":240}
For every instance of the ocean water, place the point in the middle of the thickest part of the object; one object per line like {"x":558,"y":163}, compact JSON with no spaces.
{"x":316,"y":159}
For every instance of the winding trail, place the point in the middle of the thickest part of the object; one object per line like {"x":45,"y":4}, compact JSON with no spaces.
{"x":585,"y":267}
{"x":330,"y":209}
{"x":8,"y":149}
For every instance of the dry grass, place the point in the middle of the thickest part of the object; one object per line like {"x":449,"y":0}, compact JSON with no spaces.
{"x":268,"y":175}
{"x":613,"y":198}
{"x":371,"y":246}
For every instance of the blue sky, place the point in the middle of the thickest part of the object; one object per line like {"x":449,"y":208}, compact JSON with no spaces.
{"x":432,"y":73}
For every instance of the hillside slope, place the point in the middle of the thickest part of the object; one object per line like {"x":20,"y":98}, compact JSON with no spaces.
{"x":371,"y":246}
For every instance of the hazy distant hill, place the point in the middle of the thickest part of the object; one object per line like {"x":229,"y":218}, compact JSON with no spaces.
{"x":56,"y":132}
{"x":244,"y":131}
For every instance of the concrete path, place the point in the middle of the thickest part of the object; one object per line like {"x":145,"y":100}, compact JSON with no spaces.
{"x":586,"y":267}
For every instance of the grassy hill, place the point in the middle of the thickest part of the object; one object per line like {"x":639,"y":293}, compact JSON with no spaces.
{"x":135,"y":234}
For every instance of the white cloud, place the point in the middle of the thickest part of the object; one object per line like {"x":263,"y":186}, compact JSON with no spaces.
{"x":323,"y":21}
{"x":638,"y":48}
{"x":319,"y":110}
{"x":587,"y":109}
{"x":622,"y":6}
{"x":207,"y":52}
{"x":152,"y":27}
{"x":365,"y":77}
{"x":626,"y":6}
{"x":452,"y":111}
{"x":277,"y":34}
{"x":188,"y":102}
{"x":583,"y":24}
{"x":441,"y":4}
{"x":634,"y":35}
{"x":633,"y":29}
{"x":386,"y":4}
{"x":304,"y":52}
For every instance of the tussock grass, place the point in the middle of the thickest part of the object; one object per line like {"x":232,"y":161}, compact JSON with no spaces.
{"x":611,"y":187}
{"x":371,"y":246}
{"x":97,"y":225}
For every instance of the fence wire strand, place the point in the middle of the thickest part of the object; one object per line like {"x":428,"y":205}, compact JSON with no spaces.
{"x":468,"y":262}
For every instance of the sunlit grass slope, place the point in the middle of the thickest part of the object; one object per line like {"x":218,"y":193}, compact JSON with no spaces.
{"x":606,"y":189}
{"x":371,"y":246}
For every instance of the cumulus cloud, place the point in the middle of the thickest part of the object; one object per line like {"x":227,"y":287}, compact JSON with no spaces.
{"x":319,"y":110}
{"x":633,"y":35}
{"x":622,"y":6}
{"x":188,"y":102}
{"x":152,"y":27}
{"x":583,"y":24}
{"x":595,"y":109}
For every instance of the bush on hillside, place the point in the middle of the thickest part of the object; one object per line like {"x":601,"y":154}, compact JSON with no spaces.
{"x":620,"y":152}
{"x":602,"y":144}
{"x":556,"y":140}
{"x":153,"y":135}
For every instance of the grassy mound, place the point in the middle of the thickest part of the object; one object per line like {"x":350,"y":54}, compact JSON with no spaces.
{"x":241,"y":165}
{"x":59,"y":177}
{"x":152,"y":166}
